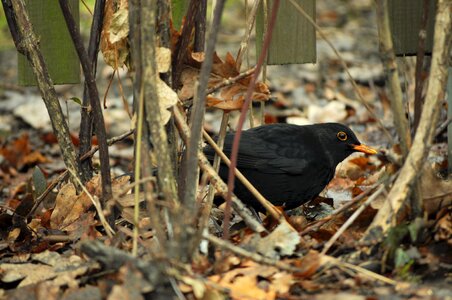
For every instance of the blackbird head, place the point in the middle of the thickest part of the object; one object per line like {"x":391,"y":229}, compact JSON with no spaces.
{"x":340,"y":141}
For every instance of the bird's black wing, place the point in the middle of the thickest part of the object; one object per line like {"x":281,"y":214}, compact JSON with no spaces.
{"x":270,"y":149}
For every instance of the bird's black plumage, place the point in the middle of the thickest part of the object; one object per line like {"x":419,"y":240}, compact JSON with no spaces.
{"x":289,"y":164}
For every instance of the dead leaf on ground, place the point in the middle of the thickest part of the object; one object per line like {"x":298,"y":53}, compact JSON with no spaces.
{"x":254,"y":281}
{"x":280,"y":242}
{"x":63,"y":270}
{"x":192,"y":285}
{"x":18,"y":154}
{"x":443,"y":228}
{"x":68,"y":207}
{"x":308,"y":264}
{"x":436,"y":191}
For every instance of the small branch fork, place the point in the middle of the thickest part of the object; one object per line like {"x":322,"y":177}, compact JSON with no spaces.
{"x":94,"y":101}
{"x":86,"y":121}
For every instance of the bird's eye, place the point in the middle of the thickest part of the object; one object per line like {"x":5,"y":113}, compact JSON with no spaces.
{"x":342,"y":136}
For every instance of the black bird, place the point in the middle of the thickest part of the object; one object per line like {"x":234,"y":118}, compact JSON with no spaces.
{"x":289,"y":164}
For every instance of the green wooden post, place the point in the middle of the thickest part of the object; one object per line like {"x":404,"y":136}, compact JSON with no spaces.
{"x":178,"y":11}
{"x":405,"y":21}
{"x":293,"y":39}
{"x":55,"y":43}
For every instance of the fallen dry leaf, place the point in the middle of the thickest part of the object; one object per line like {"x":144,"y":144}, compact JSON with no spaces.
{"x":254,"y":281}
{"x":68,"y":207}
{"x":19,"y":154}
{"x":193,"y":285}
{"x":437,"y":192}
{"x":280,"y":242}
{"x":443,"y":228}
{"x":63,"y":270}
{"x":309,"y":264}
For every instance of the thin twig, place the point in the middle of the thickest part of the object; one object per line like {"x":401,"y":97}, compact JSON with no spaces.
{"x":419,"y":83}
{"x":363,"y":271}
{"x":254,"y":256}
{"x":320,"y":223}
{"x":196,"y":119}
{"x":87,"y":7}
{"x":392,"y":73}
{"x":238,"y":134}
{"x":216,"y":165}
{"x":123,"y":97}
{"x":110,"y":82}
{"x":86,"y":121}
{"x":138,"y":143}
{"x":110,"y":232}
{"x":94,"y":100}
{"x":246,"y":38}
{"x":264,"y":67}
{"x":244,"y":48}
{"x":352,"y":218}
{"x":110,"y":142}
{"x":443,"y":126}
{"x":286,"y":267}
{"x":41,"y":197}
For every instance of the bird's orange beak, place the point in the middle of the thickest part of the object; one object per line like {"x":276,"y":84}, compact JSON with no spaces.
{"x":364,"y":149}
